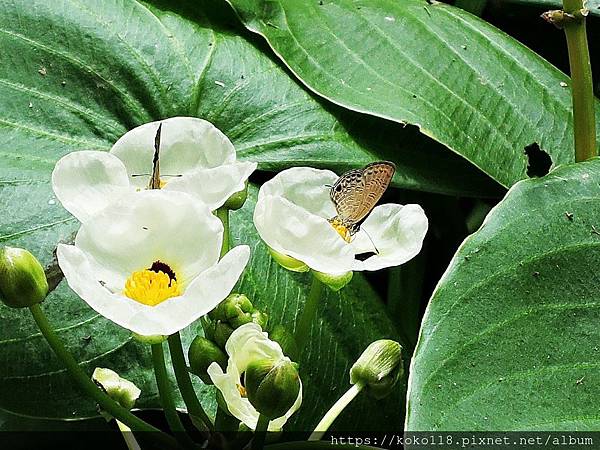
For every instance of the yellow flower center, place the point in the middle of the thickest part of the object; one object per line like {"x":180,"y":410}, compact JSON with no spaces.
{"x":342,"y":229}
{"x":242,"y":390}
{"x":151,"y":287}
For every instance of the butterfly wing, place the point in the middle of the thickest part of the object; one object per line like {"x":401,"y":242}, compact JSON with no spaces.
{"x":357,"y":192}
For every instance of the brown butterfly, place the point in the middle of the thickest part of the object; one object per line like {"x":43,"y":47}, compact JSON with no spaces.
{"x":356,"y":193}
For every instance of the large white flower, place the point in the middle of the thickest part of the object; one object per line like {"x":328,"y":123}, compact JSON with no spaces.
{"x":150,"y":262}
{"x":292,"y":215}
{"x":195,"y":157}
{"x":246,"y":344}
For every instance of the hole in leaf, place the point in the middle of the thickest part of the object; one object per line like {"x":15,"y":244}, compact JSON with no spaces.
{"x":538,"y":161}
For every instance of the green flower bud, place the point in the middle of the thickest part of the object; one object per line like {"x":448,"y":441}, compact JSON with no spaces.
{"x":286,"y":340}
{"x":123,"y":391}
{"x":260,"y":318}
{"x":22,"y":279}
{"x":208,"y":326}
{"x":232,"y":307}
{"x":222,"y":333}
{"x":150,"y":340}
{"x":272,"y":387}
{"x":379,"y":367}
{"x":334,"y":282}
{"x":202,"y":353}
{"x":287,"y":262}
{"x":237,"y":200}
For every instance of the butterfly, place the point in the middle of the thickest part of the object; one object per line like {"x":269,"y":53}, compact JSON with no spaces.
{"x":356,"y":193}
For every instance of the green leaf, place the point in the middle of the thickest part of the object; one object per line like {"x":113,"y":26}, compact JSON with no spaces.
{"x":79,"y":75}
{"x":510,"y":339}
{"x":461,"y":81}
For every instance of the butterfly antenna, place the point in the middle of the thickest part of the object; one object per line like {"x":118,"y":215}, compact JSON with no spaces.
{"x":155,"y":178}
{"x":373,"y":243}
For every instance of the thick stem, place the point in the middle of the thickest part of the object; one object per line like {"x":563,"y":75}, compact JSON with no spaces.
{"x":185,"y":383}
{"x":89,"y":388}
{"x":224,"y":422}
{"x":260,"y":433}
{"x":166,"y":399}
{"x":309,"y":312}
{"x":584,"y":119}
{"x":223,"y":214}
{"x":335,"y":411}
{"x":128,"y":436}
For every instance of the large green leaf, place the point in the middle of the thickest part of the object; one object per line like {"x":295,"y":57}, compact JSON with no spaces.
{"x":77,"y":75}
{"x":510,"y":339}
{"x":460,"y":80}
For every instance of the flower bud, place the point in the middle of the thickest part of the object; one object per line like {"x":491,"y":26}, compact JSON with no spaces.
{"x":272,"y":387}
{"x":123,"y":391}
{"x":22,"y":279}
{"x":221,"y":333}
{"x":334,"y":282}
{"x":260,"y":318}
{"x":287,"y":262}
{"x":379,"y":367}
{"x":286,"y":341}
{"x":233,"y":306}
{"x":237,"y":200}
{"x":201,"y":354}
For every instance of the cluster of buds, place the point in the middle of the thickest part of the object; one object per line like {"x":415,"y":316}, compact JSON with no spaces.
{"x":233,"y":312}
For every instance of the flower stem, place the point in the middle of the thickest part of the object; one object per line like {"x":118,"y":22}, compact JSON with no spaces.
{"x":309,"y":311}
{"x":335,"y":411}
{"x":224,"y":422}
{"x":260,"y":433}
{"x":223,"y":215}
{"x":128,"y":436}
{"x":166,"y":399}
{"x":185,"y":383}
{"x":584,"y":119}
{"x":88,"y":387}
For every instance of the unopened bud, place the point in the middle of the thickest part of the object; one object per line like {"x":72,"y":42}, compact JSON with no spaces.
{"x":222,"y":333}
{"x":272,"y":386}
{"x":379,"y":367}
{"x":201,"y":354}
{"x":22,"y":279}
{"x":237,"y":200}
{"x":287,"y":262}
{"x":123,"y":391}
{"x":335,"y":282}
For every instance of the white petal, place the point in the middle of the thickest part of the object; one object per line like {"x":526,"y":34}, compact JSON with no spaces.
{"x":187,"y":144}
{"x":155,"y":225}
{"x":249,"y":343}
{"x":81,"y":278}
{"x":398,"y":233}
{"x":305,"y":187}
{"x":86,"y":182}
{"x":293,"y":231}
{"x":227,"y":382}
{"x":213,"y":186}
{"x":203,"y":294}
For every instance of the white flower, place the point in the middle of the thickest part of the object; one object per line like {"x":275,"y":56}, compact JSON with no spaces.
{"x":292,"y":215}
{"x":150,"y":262}
{"x":195,"y":157}
{"x":246,"y":344}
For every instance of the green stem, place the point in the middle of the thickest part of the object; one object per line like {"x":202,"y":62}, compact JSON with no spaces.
{"x":223,"y":214}
{"x":335,"y":411}
{"x":128,"y":436}
{"x":309,"y":312}
{"x":224,"y":422}
{"x":185,"y":383}
{"x":584,"y":119}
{"x":166,"y":399}
{"x":89,"y":388}
{"x":260,"y":433}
